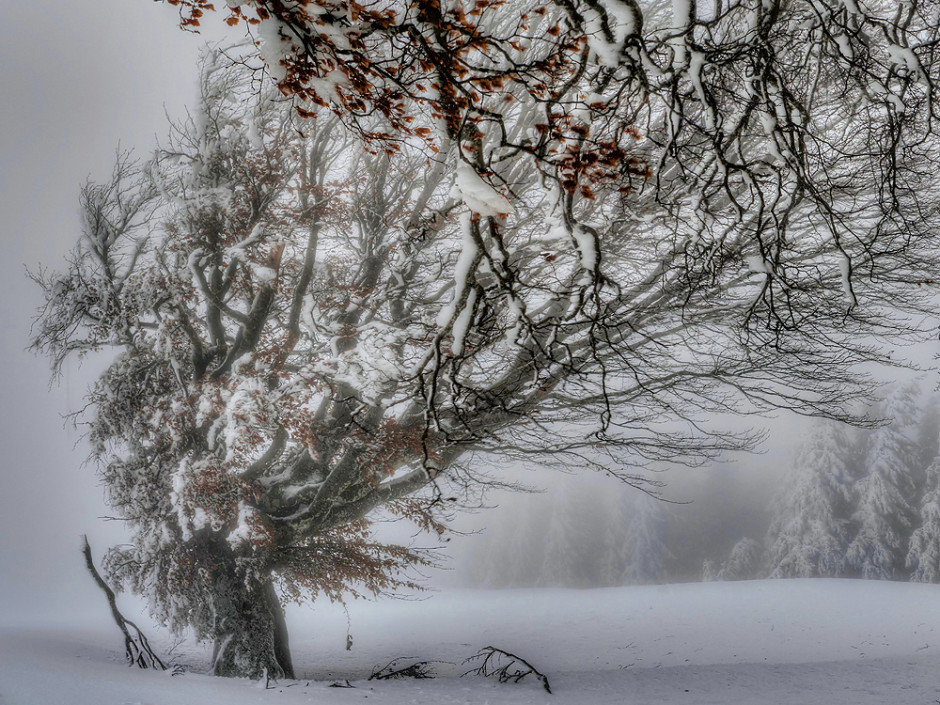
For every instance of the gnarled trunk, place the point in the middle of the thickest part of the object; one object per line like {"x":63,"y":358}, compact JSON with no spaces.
{"x":250,"y":631}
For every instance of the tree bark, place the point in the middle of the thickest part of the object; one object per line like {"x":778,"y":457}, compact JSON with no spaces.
{"x":281,"y":640}
{"x":250,"y":631}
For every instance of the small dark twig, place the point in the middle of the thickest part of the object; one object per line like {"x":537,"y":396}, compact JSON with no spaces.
{"x":419,"y":670}
{"x":137,"y":649}
{"x":499,"y":663}
{"x":344,"y":684}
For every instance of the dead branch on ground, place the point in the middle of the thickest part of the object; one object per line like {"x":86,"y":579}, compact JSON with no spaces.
{"x":502,"y":664}
{"x":419,"y":670}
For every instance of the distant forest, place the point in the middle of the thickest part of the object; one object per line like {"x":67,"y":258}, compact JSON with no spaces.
{"x":861,"y":503}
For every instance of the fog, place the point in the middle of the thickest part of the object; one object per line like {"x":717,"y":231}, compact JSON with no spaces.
{"x":702,"y":512}
{"x":79,"y":79}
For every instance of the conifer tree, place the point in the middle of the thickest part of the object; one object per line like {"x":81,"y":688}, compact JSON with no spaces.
{"x":811,"y":528}
{"x":645,"y":540}
{"x":886,"y":505}
{"x":744,"y":562}
{"x":574,"y":541}
{"x":923,"y":555}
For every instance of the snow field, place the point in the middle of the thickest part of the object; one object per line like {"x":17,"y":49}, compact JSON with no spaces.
{"x":787,"y":641}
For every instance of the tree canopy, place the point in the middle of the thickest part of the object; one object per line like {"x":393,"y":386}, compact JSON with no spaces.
{"x":748,"y":115}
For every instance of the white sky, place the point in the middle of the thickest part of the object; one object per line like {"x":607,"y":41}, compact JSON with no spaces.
{"x":77,"y":79}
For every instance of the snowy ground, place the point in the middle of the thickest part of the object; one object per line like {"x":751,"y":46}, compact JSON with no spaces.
{"x":830,"y":642}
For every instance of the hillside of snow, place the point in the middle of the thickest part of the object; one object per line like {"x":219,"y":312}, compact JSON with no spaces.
{"x":787,"y":641}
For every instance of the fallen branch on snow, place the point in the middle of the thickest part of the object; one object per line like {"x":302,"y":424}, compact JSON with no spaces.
{"x":502,"y":664}
{"x":419,"y":670}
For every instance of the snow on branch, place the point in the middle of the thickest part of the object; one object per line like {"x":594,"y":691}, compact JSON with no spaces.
{"x":137,"y":647}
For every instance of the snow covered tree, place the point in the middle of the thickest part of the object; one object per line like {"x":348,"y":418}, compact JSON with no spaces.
{"x":568,"y":233}
{"x":642,"y":542}
{"x":574,"y":542}
{"x":218,"y":422}
{"x":887,"y":504}
{"x":811,"y":529}
{"x":862,"y":507}
{"x":743,"y":563}
{"x":923,"y":555}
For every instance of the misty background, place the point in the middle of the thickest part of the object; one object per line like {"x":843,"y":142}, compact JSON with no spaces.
{"x":78,"y":79}
{"x":81,"y":79}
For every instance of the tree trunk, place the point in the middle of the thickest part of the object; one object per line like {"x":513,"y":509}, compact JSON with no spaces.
{"x":250,"y":631}
{"x":281,"y":641}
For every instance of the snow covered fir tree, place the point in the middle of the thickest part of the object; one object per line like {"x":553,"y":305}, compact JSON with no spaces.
{"x":810,"y":532}
{"x":861,"y":503}
{"x":886,"y":491}
{"x":923,"y":554}
{"x":855,"y":502}
{"x":396,"y":245}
